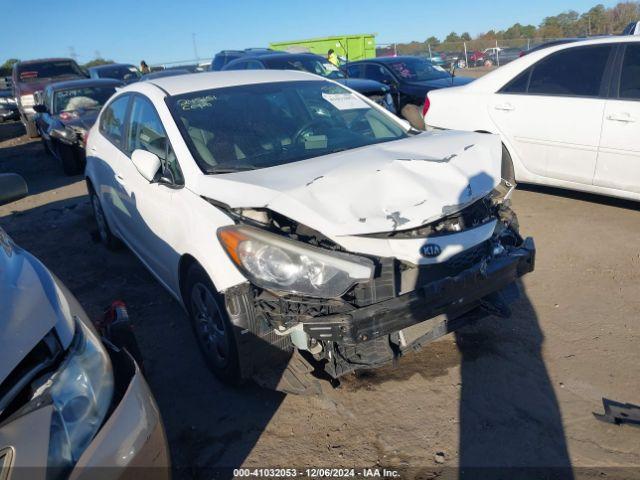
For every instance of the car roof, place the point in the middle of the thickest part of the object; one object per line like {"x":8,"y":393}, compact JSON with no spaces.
{"x":86,"y":82}
{"x":195,"y":82}
{"x":500,"y":76}
{"x":44,"y":60}
{"x":388,"y":59}
{"x":110,"y":65}
{"x":167,"y":72}
{"x":270,"y":55}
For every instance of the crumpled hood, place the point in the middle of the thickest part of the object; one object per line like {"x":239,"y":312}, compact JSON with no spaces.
{"x":30,"y":305}
{"x":390,"y":186}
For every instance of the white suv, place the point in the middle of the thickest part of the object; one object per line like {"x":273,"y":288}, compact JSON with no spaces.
{"x":284,"y":210}
{"x":568,"y":115}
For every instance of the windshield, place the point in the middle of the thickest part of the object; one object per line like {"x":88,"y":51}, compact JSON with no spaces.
{"x":32,"y":72}
{"x":88,"y":98}
{"x":120,"y":72}
{"x":263,"y":125}
{"x":417,"y":70}
{"x":311,"y":64}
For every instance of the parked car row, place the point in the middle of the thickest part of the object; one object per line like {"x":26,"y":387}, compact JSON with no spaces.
{"x":32,"y":76}
{"x":64,"y":114}
{"x":568,"y":115}
{"x":8,"y":106}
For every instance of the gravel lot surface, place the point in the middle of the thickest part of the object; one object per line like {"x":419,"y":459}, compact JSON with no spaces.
{"x":516,"y":392}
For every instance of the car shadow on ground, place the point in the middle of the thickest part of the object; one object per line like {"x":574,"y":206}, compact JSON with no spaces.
{"x":26,"y":157}
{"x":510,"y":421}
{"x":584,"y":196}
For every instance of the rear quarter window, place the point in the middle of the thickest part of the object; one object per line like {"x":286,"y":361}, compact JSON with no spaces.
{"x":630,"y":74}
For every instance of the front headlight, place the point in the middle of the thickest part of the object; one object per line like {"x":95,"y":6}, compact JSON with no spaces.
{"x":80,"y":392}
{"x":273,"y":262}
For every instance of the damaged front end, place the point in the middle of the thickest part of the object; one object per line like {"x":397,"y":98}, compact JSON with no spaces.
{"x":353,"y":308}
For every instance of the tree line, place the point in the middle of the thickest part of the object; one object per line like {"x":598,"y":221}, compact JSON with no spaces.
{"x":599,"y":20}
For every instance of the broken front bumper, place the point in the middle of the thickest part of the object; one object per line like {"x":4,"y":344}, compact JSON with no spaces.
{"x":453,"y":296}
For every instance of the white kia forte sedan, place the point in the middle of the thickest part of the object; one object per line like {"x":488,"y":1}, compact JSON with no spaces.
{"x":290,"y":214}
{"x":568,"y":115}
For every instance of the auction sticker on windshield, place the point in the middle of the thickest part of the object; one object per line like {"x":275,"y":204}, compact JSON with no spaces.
{"x":344,"y":101}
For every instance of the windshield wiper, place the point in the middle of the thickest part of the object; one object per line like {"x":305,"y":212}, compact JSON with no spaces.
{"x":230,"y":169}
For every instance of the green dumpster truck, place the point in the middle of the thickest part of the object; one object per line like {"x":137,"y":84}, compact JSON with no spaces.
{"x":349,"y":47}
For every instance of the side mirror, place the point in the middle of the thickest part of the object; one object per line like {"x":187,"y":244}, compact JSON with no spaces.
{"x":40,"y":108}
{"x":146,"y":163}
{"x":12,"y":188}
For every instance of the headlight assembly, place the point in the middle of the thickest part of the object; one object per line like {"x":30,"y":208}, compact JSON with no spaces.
{"x":273,"y":262}
{"x":80,"y":392}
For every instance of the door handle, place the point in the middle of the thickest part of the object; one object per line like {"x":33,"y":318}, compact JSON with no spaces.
{"x":621,"y":117}
{"x":505,"y":107}
{"x":120,"y":180}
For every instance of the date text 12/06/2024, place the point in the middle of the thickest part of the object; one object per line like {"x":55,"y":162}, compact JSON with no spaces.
{"x":315,"y":473}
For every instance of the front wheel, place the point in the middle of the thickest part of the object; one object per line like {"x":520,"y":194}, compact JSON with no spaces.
{"x":70,"y":162}
{"x":212,"y":326}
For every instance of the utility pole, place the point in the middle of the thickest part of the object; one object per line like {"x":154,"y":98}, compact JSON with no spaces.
{"x":195,"y":47}
{"x":73,"y":54}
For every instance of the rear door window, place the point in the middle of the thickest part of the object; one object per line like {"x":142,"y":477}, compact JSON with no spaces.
{"x":630,"y":74}
{"x":518,"y":84}
{"x":378,"y":73}
{"x":355,"y":71}
{"x":112,"y":121}
{"x":571,"y":72}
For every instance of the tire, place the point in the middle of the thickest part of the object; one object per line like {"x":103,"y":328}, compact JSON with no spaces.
{"x":106,"y":237}
{"x":70,"y":163}
{"x":211,"y":325}
{"x":507,"y":170}
{"x":45,"y":146}
{"x":30,"y":127}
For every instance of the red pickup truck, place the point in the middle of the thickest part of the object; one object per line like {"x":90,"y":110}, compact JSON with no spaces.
{"x":32,"y":76}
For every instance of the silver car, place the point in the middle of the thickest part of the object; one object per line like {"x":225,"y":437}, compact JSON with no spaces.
{"x":69,"y":402}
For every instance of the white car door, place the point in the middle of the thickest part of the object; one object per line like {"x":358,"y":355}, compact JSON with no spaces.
{"x":152,"y":221}
{"x":619,"y":155}
{"x":551,"y":114}
{"x":107,"y":148}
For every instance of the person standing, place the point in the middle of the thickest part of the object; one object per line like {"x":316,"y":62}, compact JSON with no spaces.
{"x":144,"y":68}
{"x":333,"y":58}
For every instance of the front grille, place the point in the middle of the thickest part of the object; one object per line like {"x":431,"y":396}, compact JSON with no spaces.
{"x":468,"y":258}
{"x":416,"y":277}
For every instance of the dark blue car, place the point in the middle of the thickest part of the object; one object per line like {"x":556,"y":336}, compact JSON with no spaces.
{"x":409,"y":78}
{"x":309,"y":62}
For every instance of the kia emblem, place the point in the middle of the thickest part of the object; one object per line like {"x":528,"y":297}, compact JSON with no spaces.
{"x":430,"y":250}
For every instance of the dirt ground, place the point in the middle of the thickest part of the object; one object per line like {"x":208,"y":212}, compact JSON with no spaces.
{"x":517,"y":392}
